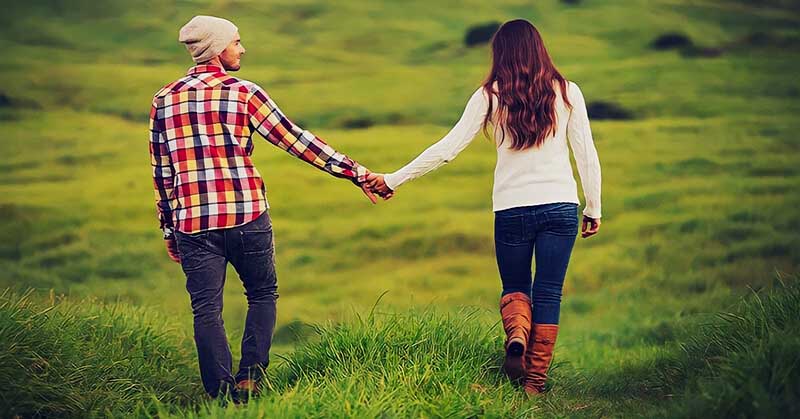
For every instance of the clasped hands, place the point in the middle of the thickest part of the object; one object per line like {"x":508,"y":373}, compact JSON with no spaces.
{"x":376,"y":185}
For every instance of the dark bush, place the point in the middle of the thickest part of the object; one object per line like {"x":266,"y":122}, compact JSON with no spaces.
{"x":571,"y":1}
{"x":358,"y":122}
{"x":607,"y":110}
{"x":671,"y":40}
{"x":17,"y":103}
{"x":480,"y":34}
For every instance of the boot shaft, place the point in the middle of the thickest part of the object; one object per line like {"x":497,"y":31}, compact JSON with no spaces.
{"x":538,"y":356}
{"x":515,"y":310}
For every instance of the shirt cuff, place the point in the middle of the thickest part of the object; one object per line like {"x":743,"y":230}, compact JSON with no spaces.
{"x":592,"y":212}
{"x":361,"y":174}
{"x":392,"y":180}
{"x":169,"y":232}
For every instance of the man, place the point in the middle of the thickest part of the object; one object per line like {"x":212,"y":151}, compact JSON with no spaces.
{"x":211,"y":200}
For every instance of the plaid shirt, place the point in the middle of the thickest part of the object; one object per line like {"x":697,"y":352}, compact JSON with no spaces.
{"x":200,"y":146}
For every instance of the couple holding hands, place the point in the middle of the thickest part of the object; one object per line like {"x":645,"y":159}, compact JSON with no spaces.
{"x":212,"y":204}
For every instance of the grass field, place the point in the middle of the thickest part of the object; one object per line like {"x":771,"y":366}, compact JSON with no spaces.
{"x":700,"y":204}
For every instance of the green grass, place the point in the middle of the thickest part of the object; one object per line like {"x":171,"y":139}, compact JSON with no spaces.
{"x":747,"y":362}
{"x":120,"y":360}
{"x":699,"y":190}
{"x":62,"y":358}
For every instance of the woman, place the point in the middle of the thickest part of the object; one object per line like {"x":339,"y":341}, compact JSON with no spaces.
{"x":533,"y":112}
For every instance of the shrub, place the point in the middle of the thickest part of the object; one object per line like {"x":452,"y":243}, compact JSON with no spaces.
{"x":480,"y":34}
{"x":672,"y":40}
{"x":607,"y":110}
{"x":17,"y":102}
{"x":358,"y":122}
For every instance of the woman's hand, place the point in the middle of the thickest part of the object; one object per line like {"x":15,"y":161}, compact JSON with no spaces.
{"x":376,"y":184}
{"x":590,"y":226}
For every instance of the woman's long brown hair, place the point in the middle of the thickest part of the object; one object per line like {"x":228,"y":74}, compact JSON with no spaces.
{"x":525,"y":94}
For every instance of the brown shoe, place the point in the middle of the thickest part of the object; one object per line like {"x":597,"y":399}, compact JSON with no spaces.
{"x":245,"y":389}
{"x":538,"y":356}
{"x":515,"y":309}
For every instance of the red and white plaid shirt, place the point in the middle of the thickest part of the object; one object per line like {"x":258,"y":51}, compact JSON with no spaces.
{"x":200,"y":146}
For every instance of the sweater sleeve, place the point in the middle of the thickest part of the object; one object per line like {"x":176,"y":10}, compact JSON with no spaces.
{"x":446,"y":149}
{"x":579,"y":134}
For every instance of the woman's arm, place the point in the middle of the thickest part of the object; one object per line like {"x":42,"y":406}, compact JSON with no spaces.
{"x":579,"y":134}
{"x":446,"y":149}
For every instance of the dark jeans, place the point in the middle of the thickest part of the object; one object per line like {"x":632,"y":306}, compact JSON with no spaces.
{"x":204,"y":258}
{"x":546,"y":232}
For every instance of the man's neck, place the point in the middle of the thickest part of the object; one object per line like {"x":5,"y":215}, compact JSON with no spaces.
{"x":214,"y":61}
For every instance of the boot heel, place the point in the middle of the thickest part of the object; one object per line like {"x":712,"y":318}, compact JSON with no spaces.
{"x":515,"y":349}
{"x":514,"y":365}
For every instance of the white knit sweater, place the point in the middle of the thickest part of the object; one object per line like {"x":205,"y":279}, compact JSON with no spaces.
{"x":537,"y":175}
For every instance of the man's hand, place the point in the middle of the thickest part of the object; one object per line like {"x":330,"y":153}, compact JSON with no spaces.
{"x":590,"y":226}
{"x":368,"y":193}
{"x":363,"y":185}
{"x":172,"y":249}
{"x":376,"y":183}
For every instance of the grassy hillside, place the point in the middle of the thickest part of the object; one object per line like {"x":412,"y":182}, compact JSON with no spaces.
{"x":699,"y":187}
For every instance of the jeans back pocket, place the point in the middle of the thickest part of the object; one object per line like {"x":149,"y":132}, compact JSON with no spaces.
{"x":509,"y":230}
{"x":562,"y":219}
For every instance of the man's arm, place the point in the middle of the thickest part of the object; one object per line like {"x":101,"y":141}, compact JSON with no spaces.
{"x":163,"y":173}
{"x":272,"y":124}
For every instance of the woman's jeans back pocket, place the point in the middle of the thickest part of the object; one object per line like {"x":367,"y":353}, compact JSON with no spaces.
{"x":562,"y":219}
{"x":510,"y":230}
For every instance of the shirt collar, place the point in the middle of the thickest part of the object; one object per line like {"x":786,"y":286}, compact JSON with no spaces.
{"x":205,"y":68}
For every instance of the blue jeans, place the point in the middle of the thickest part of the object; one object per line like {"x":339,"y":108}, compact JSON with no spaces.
{"x":204,"y":259}
{"x":546,"y":232}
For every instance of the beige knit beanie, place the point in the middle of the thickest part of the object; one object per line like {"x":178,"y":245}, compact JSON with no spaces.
{"x":207,"y":36}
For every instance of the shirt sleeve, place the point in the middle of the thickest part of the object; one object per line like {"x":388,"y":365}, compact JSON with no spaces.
{"x":163,"y":173}
{"x":275,"y":127}
{"x":446,"y":149}
{"x":579,"y":134}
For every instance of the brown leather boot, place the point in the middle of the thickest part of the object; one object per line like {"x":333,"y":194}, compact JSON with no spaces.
{"x":538,"y":356}
{"x":515,"y":309}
